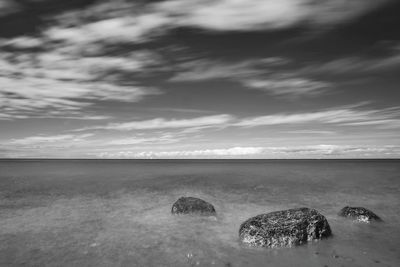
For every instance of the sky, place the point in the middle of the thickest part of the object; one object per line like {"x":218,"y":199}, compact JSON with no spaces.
{"x":199,"y":79}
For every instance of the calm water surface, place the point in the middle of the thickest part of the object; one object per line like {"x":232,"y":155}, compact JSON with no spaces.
{"x":117,"y":212}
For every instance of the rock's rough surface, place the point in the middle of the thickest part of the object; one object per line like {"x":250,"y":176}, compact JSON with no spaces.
{"x":359,"y":214}
{"x":284,"y":228}
{"x":186,"y":205}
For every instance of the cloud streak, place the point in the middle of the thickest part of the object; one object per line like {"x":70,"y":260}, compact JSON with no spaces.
{"x":163,"y":139}
{"x":161,"y":123}
{"x":357,"y":65}
{"x":258,"y":74}
{"x":46,"y":140}
{"x":344,"y":116}
{"x":293,"y":87}
{"x":261,"y":14}
{"x":55,"y":84}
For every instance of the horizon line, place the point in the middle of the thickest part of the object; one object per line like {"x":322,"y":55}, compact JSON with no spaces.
{"x":199,"y":159}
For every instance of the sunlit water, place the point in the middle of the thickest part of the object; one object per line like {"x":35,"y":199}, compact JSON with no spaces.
{"x":118,"y":213}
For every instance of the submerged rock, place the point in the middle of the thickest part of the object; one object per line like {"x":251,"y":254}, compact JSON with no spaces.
{"x":359,"y":214}
{"x":186,"y":205}
{"x":284,"y":228}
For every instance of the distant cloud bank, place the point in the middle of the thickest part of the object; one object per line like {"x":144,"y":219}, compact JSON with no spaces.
{"x":315,"y":151}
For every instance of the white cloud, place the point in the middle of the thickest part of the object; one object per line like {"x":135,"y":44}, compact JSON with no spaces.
{"x":123,"y":21}
{"x":276,"y":119}
{"x":22,"y":42}
{"x":344,"y":116}
{"x":259,"y":74}
{"x":317,"y":132}
{"x":381,"y":123}
{"x":288,"y":86}
{"x":260,"y":14}
{"x":42,"y":140}
{"x":312,"y":151}
{"x":61,"y":85}
{"x":161,"y":123}
{"x":163,"y":139}
{"x":112,"y":30}
{"x":31,"y":96}
{"x":72,"y":74}
{"x":131,"y":19}
{"x":357,"y":64}
{"x":234,"y":151}
{"x":202,"y":69}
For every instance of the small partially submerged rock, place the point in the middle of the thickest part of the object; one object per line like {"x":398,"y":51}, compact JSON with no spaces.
{"x":284,"y":228}
{"x":186,"y":205}
{"x":359,"y":214}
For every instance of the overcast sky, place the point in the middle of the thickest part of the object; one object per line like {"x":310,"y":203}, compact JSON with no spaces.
{"x":200,"y":79}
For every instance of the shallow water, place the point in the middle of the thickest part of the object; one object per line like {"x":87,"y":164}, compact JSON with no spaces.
{"x":118,"y":213}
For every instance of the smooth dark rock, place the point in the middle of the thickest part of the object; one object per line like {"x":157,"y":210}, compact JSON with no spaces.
{"x":186,"y":205}
{"x":284,"y":228}
{"x":359,"y":214}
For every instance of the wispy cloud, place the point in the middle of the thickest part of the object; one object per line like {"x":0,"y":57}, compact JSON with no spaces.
{"x":130,"y":21}
{"x":357,"y":65}
{"x":259,"y":74}
{"x":119,"y":61}
{"x":339,"y":116}
{"x":316,"y":132}
{"x":38,"y":146}
{"x":287,"y":86}
{"x":60,"y":85}
{"x":163,"y":139}
{"x":342,"y":116}
{"x":260,"y":14}
{"x":207,"y":69}
{"x":381,"y":123}
{"x":213,"y":15}
{"x":111,"y":30}
{"x":43,"y":140}
{"x":70,"y":71}
{"x":22,"y":42}
{"x":161,"y":123}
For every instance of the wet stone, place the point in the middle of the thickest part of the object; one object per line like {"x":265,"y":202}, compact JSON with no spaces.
{"x":190,"y":205}
{"x":284,"y":228}
{"x":359,"y":214}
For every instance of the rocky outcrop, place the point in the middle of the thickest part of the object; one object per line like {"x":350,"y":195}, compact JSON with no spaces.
{"x":187,"y":205}
{"x":284,"y":228}
{"x":359,"y":214}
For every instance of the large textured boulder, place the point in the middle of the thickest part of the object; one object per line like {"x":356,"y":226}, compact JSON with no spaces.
{"x":284,"y":228}
{"x":186,"y":205}
{"x":359,"y":214}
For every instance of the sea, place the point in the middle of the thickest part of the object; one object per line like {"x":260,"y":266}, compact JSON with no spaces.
{"x":118,"y":212}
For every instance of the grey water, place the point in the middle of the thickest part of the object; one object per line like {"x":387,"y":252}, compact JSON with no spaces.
{"x":118,"y":212}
